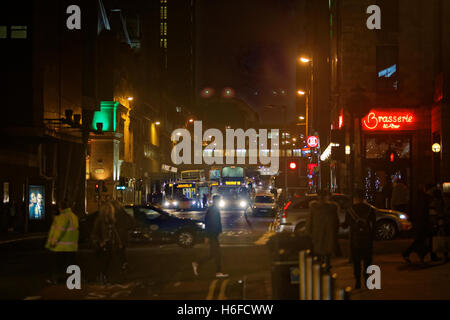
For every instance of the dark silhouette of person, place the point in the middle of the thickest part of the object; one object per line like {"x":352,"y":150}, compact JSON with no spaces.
{"x":213,"y":228}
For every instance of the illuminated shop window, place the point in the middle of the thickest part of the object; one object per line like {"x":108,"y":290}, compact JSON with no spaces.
{"x":18,"y":32}
{"x":377,"y":147}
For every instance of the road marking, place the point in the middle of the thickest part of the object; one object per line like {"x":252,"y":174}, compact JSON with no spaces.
{"x":264,"y":238}
{"x":222,"y":290}
{"x":212,"y":288}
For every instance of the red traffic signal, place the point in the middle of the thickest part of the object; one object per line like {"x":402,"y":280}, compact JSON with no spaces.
{"x":292,"y":165}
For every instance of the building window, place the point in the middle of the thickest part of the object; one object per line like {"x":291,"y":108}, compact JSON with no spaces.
{"x":297,"y":152}
{"x":18,"y":32}
{"x":3,"y":32}
{"x":387,"y":68}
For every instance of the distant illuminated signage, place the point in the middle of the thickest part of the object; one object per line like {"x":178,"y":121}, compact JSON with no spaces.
{"x":312,"y":141}
{"x":389,"y":120}
{"x":121,"y":187}
{"x":186,"y":185}
{"x":36,"y":205}
{"x":214,"y":184}
{"x":388,"y":72}
{"x":232,"y":183}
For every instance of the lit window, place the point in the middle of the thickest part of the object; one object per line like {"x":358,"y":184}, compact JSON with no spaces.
{"x":18,"y":32}
{"x":3,"y":32}
{"x":165,"y":43}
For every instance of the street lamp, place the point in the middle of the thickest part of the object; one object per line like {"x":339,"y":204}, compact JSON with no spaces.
{"x":301,"y":118}
{"x":157,"y":123}
{"x":130,"y":98}
{"x":305,"y":60}
{"x":191,"y":120}
{"x":436,"y":147}
{"x":300,"y":92}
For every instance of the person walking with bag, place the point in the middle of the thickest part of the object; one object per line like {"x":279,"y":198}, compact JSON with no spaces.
{"x":124,"y":224}
{"x":213,"y":228}
{"x":323,"y":226}
{"x":361,"y":219}
{"x":106,"y":241}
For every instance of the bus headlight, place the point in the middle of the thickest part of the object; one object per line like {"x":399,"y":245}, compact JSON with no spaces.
{"x":243,"y":204}
{"x":221,"y":204}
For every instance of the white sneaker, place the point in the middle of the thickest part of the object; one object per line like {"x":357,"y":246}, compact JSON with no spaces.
{"x":195,"y":268}
{"x":221,"y":275}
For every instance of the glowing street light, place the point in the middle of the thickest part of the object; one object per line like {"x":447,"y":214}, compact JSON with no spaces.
{"x":130,"y":98}
{"x":436,"y":147}
{"x":305,"y":60}
{"x":300,"y":92}
{"x":157,"y":123}
{"x":301,"y":118}
{"x":191,"y":120}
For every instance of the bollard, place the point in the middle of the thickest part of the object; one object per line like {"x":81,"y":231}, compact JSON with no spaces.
{"x":325,"y":282}
{"x":339,"y":294}
{"x":347,"y":292}
{"x":316,"y":281}
{"x":308,"y":275}
{"x":302,"y":274}
{"x":333,"y":286}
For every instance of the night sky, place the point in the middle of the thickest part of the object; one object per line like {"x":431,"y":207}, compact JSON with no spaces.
{"x":249,"y":46}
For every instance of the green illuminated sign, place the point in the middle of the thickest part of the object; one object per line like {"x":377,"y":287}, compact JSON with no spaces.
{"x":107,"y":116}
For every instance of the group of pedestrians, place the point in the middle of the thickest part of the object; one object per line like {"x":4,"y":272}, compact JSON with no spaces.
{"x":109,"y":238}
{"x":323,"y":226}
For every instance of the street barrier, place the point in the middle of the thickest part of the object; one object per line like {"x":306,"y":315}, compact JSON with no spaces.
{"x":316,"y":282}
{"x":308,"y":268}
{"x":316,"y":279}
{"x":325,"y":284}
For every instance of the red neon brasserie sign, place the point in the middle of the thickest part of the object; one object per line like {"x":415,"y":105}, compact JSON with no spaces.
{"x":389,"y":120}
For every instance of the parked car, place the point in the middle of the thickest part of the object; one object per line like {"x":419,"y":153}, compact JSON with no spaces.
{"x":292,"y":217}
{"x":264,"y":204}
{"x":153,"y":224}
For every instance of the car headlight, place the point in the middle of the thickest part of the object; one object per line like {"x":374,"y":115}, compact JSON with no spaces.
{"x":166,"y":204}
{"x":403,"y":217}
{"x":175,"y":203}
{"x":221,"y":203}
{"x":201,"y":225}
{"x":193,"y":202}
{"x":243,"y":204}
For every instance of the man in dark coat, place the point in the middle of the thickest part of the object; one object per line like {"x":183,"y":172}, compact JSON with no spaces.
{"x":213,"y":228}
{"x":361,"y":219}
{"x":422,"y":227}
{"x":323,"y":225}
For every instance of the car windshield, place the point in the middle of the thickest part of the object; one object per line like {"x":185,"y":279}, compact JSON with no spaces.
{"x":264,"y":199}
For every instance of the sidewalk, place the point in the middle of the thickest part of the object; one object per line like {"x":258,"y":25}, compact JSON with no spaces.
{"x":399,"y":280}
{"x":89,"y":292}
{"x":10,"y":237}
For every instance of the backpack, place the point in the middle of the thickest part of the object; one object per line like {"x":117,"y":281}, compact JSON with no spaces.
{"x":361,"y":234}
{"x":112,"y":237}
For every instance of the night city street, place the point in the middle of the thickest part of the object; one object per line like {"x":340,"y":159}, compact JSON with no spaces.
{"x":225,"y":158}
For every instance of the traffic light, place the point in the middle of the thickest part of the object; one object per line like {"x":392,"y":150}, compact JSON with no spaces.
{"x":391,"y":156}
{"x":104,"y":189}
{"x":292,"y":165}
